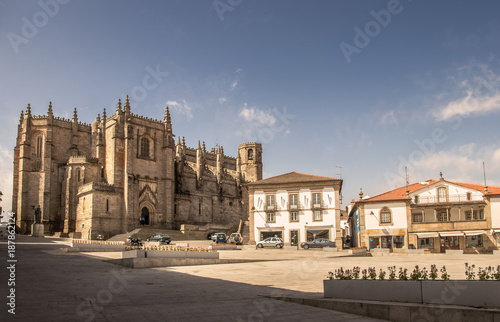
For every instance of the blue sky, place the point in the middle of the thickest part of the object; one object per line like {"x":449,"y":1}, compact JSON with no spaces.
{"x":419,"y":86}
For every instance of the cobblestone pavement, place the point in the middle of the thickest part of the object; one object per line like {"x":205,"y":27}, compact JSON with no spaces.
{"x":56,"y":286}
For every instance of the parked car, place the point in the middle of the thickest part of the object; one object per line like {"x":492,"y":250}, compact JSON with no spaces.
{"x":235,"y":238}
{"x":271,"y":242}
{"x":214,"y":236}
{"x":209,"y":235}
{"x":161,"y":238}
{"x":318,"y":243}
{"x":220,"y":238}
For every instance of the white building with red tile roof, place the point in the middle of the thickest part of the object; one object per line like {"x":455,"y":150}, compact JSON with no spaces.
{"x":434,"y":215}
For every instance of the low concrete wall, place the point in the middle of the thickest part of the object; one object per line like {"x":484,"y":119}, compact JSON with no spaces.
{"x":381,"y":250}
{"x":454,"y":251}
{"x":289,"y":247}
{"x":330,"y":249}
{"x":415,"y":251}
{"x":167,"y":262}
{"x":357,"y":251}
{"x":400,"y":312}
{"x":141,"y":253}
{"x":496,"y":252}
{"x":454,"y":292}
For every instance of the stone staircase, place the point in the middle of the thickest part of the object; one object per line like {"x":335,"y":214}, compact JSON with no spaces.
{"x":144,"y":233}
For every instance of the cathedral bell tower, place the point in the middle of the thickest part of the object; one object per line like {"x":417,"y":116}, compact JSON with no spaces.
{"x":250,"y":155}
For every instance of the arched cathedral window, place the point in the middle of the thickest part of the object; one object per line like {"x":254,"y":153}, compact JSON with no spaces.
{"x":250,"y":154}
{"x":144,"y":148}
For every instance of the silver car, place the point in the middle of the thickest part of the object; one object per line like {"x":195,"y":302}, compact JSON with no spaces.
{"x":270,"y":242}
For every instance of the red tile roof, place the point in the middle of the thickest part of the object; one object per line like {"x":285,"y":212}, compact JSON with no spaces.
{"x":400,"y":193}
{"x":292,"y":177}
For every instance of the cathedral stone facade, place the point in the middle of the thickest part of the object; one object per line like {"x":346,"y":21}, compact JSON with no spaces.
{"x":122,"y":172}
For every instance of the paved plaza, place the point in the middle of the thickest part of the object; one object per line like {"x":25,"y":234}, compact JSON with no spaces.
{"x":52,"y":285}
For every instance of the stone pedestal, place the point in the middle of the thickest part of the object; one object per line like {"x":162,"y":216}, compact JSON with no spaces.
{"x":37,"y":230}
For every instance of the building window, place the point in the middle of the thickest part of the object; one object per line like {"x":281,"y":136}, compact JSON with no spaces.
{"x":144,"y":148}
{"x":107,"y":205}
{"x":374,"y":242}
{"x":79,"y":175}
{"x":39,"y":145}
{"x":474,"y":241}
{"x":270,"y":202}
{"x":398,"y":241}
{"x":418,"y":218}
{"x":415,"y":199}
{"x":293,"y":201}
{"x":474,"y":215}
{"x":442,"y":194}
{"x":270,"y":217}
{"x":250,"y":154}
{"x":316,"y":197}
{"x":294,"y":216}
{"x":317,"y":215}
{"x":199,"y":209}
{"x":425,"y":242}
{"x":443,"y":216}
{"x":385,"y":216}
{"x":469,"y":196}
{"x":314,"y":234}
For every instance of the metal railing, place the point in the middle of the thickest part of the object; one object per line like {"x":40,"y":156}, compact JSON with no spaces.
{"x":450,"y":198}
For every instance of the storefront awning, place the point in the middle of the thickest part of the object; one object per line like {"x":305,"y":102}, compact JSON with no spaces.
{"x":473,"y":232}
{"x":271,"y":228}
{"x":450,"y":233}
{"x":427,"y":235}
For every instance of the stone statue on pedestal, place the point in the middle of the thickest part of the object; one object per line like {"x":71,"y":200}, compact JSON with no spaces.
{"x":37,"y":229}
{"x":37,"y":217}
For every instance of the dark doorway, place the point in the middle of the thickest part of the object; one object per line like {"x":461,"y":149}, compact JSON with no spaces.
{"x":145,"y":216}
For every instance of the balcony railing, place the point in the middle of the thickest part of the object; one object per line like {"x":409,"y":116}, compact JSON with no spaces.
{"x":294,"y":207}
{"x":317,"y":205}
{"x":450,"y":198}
{"x":270,"y":207}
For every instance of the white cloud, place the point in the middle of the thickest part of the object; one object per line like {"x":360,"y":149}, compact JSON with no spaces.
{"x":257,"y":116}
{"x":469,"y":105}
{"x":389,"y":118}
{"x":222,"y":100}
{"x":181,"y":107}
{"x":479,"y":89}
{"x":234,"y":84}
{"x":6,"y":158}
{"x":461,"y":163}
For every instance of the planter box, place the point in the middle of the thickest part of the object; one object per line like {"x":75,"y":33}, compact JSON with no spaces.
{"x":329,"y":249}
{"x":454,"y":251}
{"x":180,"y":254}
{"x":97,"y":247}
{"x":468,"y":293}
{"x":223,"y":247}
{"x":373,"y":290}
{"x":415,"y":251}
{"x":165,"y":254}
{"x":135,"y":253}
{"x":357,"y":251}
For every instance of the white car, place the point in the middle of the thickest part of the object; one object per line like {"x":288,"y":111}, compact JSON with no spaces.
{"x":270,"y":242}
